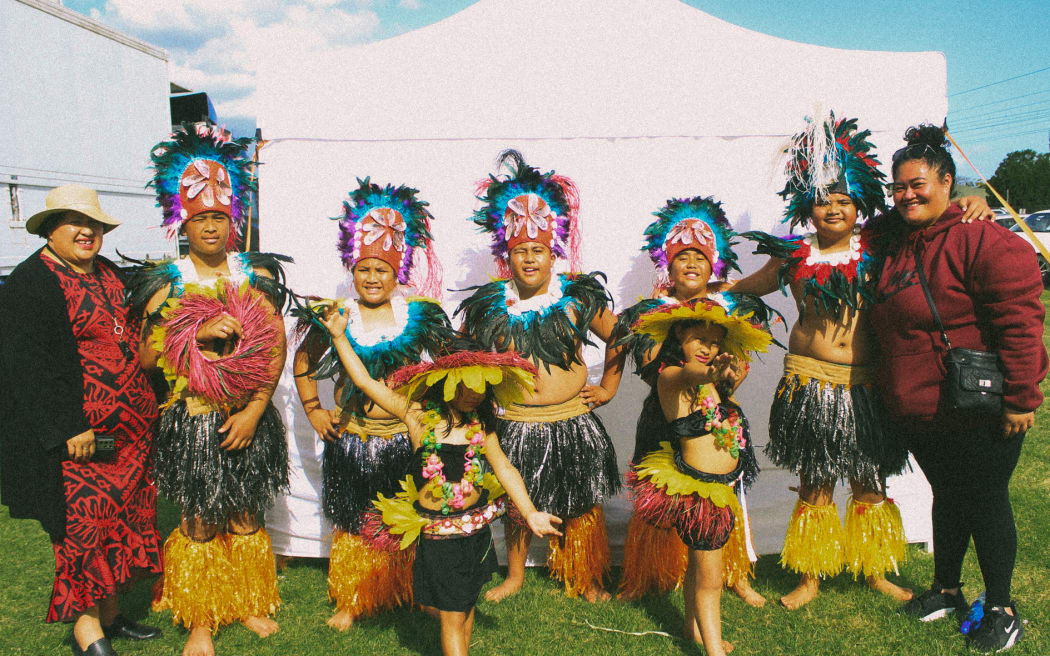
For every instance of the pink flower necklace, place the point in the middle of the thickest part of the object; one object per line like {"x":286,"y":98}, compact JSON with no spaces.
{"x":453,"y":495}
{"x":727,"y":432}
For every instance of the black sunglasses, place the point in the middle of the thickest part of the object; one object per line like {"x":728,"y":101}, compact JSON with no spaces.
{"x":913,"y":151}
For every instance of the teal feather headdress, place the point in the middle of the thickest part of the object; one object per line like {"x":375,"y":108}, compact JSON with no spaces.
{"x":831,"y":156}
{"x":552,"y":221}
{"x":201,"y":167}
{"x":368,"y":228}
{"x":669,"y":226}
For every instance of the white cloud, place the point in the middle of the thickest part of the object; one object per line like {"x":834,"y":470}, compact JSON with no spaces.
{"x":218,"y":46}
{"x":408,"y":4}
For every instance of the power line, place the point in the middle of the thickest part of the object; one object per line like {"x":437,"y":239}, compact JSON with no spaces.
{"x":1023,"y":117}
{"x":1008,"y":135}
{"x":1006,"y":111}
{"x":994,"y":102}
{"x":992,"y":84}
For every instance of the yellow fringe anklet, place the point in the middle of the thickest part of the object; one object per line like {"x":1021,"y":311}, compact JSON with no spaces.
{"x":813,"y":543}
{"x":875,"y":543}
{"x":198,"y":583}
{"x":736,"y":566}
{"x":255,"y":574}
{"x":580,"y":558}
{"x":654,"y":560}
{"x":363,"y":580}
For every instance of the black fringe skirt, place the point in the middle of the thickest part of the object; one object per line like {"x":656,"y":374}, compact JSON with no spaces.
{"x":828,"y":432}
{"x":568,"y":466}
{"x":212,"y":483}
{"x":354,"y":471}
{"x":449,"y":574}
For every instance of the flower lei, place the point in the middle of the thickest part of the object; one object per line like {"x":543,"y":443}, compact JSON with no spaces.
{"x":727,"y":432}
{"x":811,"y":263}
{"x":452,"y":494}
{"x":539,"y":303}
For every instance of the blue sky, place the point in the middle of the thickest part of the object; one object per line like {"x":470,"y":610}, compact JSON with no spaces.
{"x":986,"y":42}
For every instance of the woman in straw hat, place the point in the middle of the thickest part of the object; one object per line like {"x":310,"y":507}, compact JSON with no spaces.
{"x":76,"y":415}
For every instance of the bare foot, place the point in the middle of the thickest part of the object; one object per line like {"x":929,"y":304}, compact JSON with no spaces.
{"x":596,"y":594}
{"x":883,"y":585}
{"x":261,"y":626}
{"x":804,"y":593}
{"x":744,"y":590}
{"x":509,"y":587}
{"x":282,"y":561}
{"x":199,"y":643}
{"x":341,"y":621}
{"x":694,"y":636}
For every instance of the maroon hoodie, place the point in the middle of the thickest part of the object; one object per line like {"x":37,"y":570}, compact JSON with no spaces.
{"x":985,"y":283}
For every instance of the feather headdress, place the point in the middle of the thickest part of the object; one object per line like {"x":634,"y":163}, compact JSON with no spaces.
{"x":521,"y":204}
{"x":685,"y":223}
{"x":390,"y":223}
{"x":201,"y":168}
{"x":831,"y":156}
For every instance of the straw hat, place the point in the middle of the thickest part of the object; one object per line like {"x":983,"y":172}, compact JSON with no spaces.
{"x":71,"y":198}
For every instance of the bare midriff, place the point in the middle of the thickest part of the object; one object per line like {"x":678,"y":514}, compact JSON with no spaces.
{"x":842,"y":339}
{"x":703,"y":454}
{"x":556,"y":386}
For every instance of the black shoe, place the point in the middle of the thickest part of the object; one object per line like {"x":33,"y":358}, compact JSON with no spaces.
{"x":122,"y":627}
{"x":998,"y":630}
{"x":934,"y":604}
{"x":100,"y":647}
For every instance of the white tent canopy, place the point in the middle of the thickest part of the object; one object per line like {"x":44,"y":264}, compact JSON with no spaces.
{"x":636,"y":101}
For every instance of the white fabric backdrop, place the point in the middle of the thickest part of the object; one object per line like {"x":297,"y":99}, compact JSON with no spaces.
{"x":636,"y":101}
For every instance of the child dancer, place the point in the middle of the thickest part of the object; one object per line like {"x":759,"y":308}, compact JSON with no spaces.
{"x":690,"y":242}
{"x":686,"y":483}
{"x":451,"y":426}
{"x":384,"y":240}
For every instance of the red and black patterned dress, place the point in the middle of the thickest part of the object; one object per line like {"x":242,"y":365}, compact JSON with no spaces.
{"x":111,"y":517}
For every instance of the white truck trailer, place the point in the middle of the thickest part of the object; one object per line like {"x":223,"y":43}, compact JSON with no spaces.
{"x":81,"y":103}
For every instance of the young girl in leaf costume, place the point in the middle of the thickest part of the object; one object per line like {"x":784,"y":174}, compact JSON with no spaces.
{"x":687,"y":483}
{"x":450,"y":496}
{"x":690,"y":243}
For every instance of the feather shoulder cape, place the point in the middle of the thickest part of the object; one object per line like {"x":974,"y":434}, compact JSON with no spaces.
{"x":547,"y":329}
{"x":155,"y":276}
{"x":834,"y":282}
{"x":426,"y":329}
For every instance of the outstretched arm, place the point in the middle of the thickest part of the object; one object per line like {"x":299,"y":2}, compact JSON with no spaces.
{"x":598,"y":395}
{"x":385,"y":398}
{"x":764,"y":281}
{"x":541,"y":523}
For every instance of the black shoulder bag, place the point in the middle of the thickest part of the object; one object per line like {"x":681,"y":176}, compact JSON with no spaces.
{"x":975,"y":378}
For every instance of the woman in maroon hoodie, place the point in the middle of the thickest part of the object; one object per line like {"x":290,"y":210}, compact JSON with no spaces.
{"x":985,"y":284}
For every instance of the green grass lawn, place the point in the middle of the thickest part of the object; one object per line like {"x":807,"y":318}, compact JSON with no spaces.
{"x":845,"y":619}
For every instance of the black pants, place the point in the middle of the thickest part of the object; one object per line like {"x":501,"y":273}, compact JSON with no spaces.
{"x":968,"y":464}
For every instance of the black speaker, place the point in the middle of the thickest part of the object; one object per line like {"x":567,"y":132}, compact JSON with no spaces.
{"x":191,"y":108}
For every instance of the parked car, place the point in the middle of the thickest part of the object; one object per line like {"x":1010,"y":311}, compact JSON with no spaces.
{"x":1003,"y":218}
{"x":1039,"y":222}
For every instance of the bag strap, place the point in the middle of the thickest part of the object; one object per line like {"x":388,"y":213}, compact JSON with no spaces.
{"x":929,"y":297}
